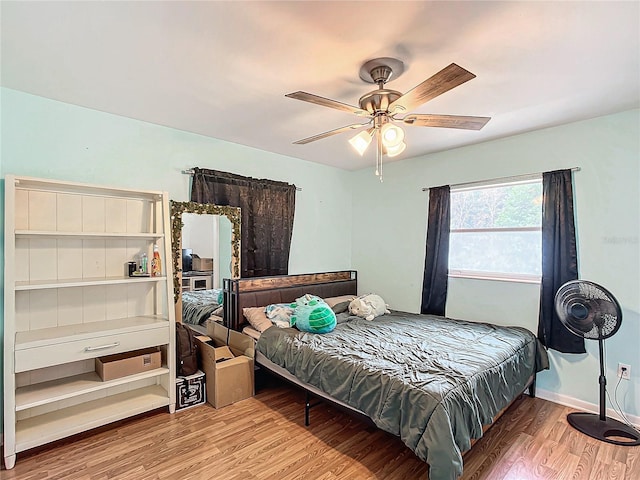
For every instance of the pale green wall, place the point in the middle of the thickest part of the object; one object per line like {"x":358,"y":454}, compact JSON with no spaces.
{"x":383,"y":234}
{"x":45,"y":138}
{"x":389,"y":236}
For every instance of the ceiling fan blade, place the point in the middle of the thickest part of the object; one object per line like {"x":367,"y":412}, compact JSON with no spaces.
{"x":320,"y":136}
{"x":441,"y":82}
{"x":447,"y":121}
{"x":326,"y":102}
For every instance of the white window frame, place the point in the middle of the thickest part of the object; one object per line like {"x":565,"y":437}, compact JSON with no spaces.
{"x":497,"y":276}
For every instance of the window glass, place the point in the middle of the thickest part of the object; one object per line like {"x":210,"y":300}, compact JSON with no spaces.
{"x":497,"y":230}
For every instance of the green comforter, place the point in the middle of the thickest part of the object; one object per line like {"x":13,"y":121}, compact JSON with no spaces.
{"x":432,"y":381}
{"x":198,"y":305}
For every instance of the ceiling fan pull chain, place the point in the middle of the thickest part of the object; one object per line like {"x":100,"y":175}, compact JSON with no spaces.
{"x":379,"y":154}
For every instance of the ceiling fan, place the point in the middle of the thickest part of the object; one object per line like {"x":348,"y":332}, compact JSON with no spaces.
{"x":382,"y":107}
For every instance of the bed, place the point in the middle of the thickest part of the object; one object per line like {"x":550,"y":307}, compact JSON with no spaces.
{"x":200,"y":305}
{"x":437,"y":383}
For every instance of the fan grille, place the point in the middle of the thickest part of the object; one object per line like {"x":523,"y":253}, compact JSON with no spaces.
{"x":607,"y":329}
{"x":588,"y":310}
{"x":593,"y":291}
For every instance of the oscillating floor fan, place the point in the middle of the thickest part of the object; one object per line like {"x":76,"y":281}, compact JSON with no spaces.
{"x":590,"y":311}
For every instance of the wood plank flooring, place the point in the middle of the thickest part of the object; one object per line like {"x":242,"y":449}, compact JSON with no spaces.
{"x":265,"y":438}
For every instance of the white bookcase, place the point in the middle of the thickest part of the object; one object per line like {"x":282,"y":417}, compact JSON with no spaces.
{"x":69,"y":299}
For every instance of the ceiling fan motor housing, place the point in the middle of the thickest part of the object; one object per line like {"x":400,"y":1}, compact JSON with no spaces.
{"x":378,"y":101}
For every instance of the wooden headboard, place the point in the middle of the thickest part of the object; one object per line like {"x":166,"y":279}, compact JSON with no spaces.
{"x":263,"y":291}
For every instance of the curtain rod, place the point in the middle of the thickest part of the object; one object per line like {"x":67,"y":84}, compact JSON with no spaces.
{"x":504,"y":179}
{"x":191,"y":172}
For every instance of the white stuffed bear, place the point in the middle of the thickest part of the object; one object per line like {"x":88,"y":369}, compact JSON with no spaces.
{"x":368,"y":307}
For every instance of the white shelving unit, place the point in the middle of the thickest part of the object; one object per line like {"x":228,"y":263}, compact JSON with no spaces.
{"x":69,"y":299}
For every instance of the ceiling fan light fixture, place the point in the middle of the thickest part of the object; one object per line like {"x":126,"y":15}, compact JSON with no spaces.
{"x":361,"y":141}
{"x":392,"y":135}
{"x":395,"y":150}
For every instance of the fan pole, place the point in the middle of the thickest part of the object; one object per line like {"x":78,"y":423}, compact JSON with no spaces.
{"x":602,"y":380}
{"x":599,"y":426}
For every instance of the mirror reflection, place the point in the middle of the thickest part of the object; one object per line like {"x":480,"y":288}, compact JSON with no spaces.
{"x":206,"y":249}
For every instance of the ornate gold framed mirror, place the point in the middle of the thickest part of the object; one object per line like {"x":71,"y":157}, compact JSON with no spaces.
{"x":232,"y":234}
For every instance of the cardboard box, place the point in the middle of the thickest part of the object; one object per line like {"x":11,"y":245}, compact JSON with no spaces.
{"x":127,"y":363}
{"x":201,"y":264}
{"x":227,"y":361}
{"x":190,"y":391}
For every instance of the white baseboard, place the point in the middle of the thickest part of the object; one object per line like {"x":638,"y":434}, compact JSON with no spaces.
{"x":568,"y":401}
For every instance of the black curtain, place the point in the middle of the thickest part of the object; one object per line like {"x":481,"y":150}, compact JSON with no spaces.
{"x":267,"y":217}
{"x":559,"y":259}
{"x":436,"y":265}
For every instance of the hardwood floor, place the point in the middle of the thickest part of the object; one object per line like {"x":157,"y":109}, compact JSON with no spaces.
{"x":265,"y":438}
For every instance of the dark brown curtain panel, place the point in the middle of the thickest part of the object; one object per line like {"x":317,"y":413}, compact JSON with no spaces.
{"x":559,"y":259}
{"x":267,"y":217}
{"x":436,"y":267}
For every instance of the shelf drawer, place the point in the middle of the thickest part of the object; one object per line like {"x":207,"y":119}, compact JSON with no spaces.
{"x":58,"y":353}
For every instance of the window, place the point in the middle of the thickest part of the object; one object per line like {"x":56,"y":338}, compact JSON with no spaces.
{"x":496,"y":231}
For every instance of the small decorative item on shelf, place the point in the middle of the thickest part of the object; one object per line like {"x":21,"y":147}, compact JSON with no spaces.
{"x":156,"y":264}
{"x":144,"y":264}
{"x":131,"y":268}
{"x":139,"y":274}
{"x":141,"y":269}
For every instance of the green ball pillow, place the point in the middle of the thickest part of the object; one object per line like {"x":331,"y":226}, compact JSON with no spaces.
{"x":311,"y":314}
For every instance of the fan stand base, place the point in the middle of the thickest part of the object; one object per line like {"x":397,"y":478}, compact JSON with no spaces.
{"x":591,"y":424}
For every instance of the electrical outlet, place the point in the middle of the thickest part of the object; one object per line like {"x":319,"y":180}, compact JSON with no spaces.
{"x":624,"y":371}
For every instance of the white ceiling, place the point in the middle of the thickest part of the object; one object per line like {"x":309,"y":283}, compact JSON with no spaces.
{"x":221,"y":69}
